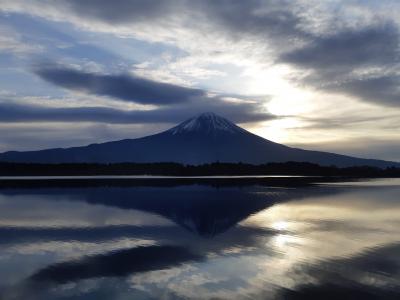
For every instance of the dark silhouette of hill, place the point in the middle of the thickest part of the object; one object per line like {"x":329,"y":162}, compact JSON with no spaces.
{"x":206,"y":138}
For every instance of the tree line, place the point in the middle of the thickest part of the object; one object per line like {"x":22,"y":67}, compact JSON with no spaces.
{"x":176,"y":169}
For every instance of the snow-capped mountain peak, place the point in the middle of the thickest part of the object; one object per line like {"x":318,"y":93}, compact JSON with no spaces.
{"x":207,"y":123}
{"x":206,"y":138}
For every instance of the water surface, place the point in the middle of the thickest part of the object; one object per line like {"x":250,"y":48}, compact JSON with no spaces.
{"x":264,"y":238}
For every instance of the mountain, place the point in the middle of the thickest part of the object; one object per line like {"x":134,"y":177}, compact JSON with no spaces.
{"x":202,"y":139}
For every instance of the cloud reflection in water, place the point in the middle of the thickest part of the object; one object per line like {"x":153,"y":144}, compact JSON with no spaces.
{"x":225,"y":242}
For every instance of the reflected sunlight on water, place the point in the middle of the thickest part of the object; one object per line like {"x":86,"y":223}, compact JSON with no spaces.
{"x":330,"y":241}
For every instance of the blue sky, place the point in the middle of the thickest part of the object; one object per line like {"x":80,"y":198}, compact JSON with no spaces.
{"x":316,"y":74}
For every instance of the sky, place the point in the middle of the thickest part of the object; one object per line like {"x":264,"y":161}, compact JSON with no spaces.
{"x":321,"y":75}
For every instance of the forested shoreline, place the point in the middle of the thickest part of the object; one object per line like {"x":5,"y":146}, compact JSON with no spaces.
{"x":176,"y":169}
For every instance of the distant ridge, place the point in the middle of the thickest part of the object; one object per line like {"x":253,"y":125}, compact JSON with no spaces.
{"x":205,"y":138}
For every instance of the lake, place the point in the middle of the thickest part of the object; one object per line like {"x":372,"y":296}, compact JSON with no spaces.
{"x":195,"y":238}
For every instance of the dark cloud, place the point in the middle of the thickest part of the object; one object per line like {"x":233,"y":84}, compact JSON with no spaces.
{"x":122,"y":11}
{"x":175,"y":103}
{"x":123,"y":87}
{"x":348,"y":49}
{"x":358,"y":63}
{"x":381,"y":90}
{"x":11,"y":112}
{"x":271,"y":18}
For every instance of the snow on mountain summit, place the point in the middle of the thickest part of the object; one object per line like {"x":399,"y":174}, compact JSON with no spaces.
{"x":206,"y":123}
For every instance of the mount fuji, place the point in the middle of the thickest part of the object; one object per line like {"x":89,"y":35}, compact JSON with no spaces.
{"x":205,"y":138}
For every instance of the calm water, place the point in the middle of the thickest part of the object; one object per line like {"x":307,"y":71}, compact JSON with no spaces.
{"x":199,"y":239}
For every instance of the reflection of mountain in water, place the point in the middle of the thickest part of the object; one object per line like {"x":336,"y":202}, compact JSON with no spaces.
{"x":203,"y":210}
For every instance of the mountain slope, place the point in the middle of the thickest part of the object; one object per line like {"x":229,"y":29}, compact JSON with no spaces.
{"x":202,"y":139}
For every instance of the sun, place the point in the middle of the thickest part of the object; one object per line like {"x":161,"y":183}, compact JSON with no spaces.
{"x":280,"y":225}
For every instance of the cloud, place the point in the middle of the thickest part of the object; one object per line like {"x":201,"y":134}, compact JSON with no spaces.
{"x":348,"y":120}
{"x":123,"y":87}
{"x":255,"y":16}
{"x":348,"y":49}
{"x":238,"y":112}
{"x":360,"y":63}
{"x":379,"y":90}
{"x":11,"y":42}
{"x":277,"y":19}
{"x":121,"y":11}
{"x":11,"y":112}
{"x":166,"y":20}
{"x":174,"y":103}
{"x":334,"y":51}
